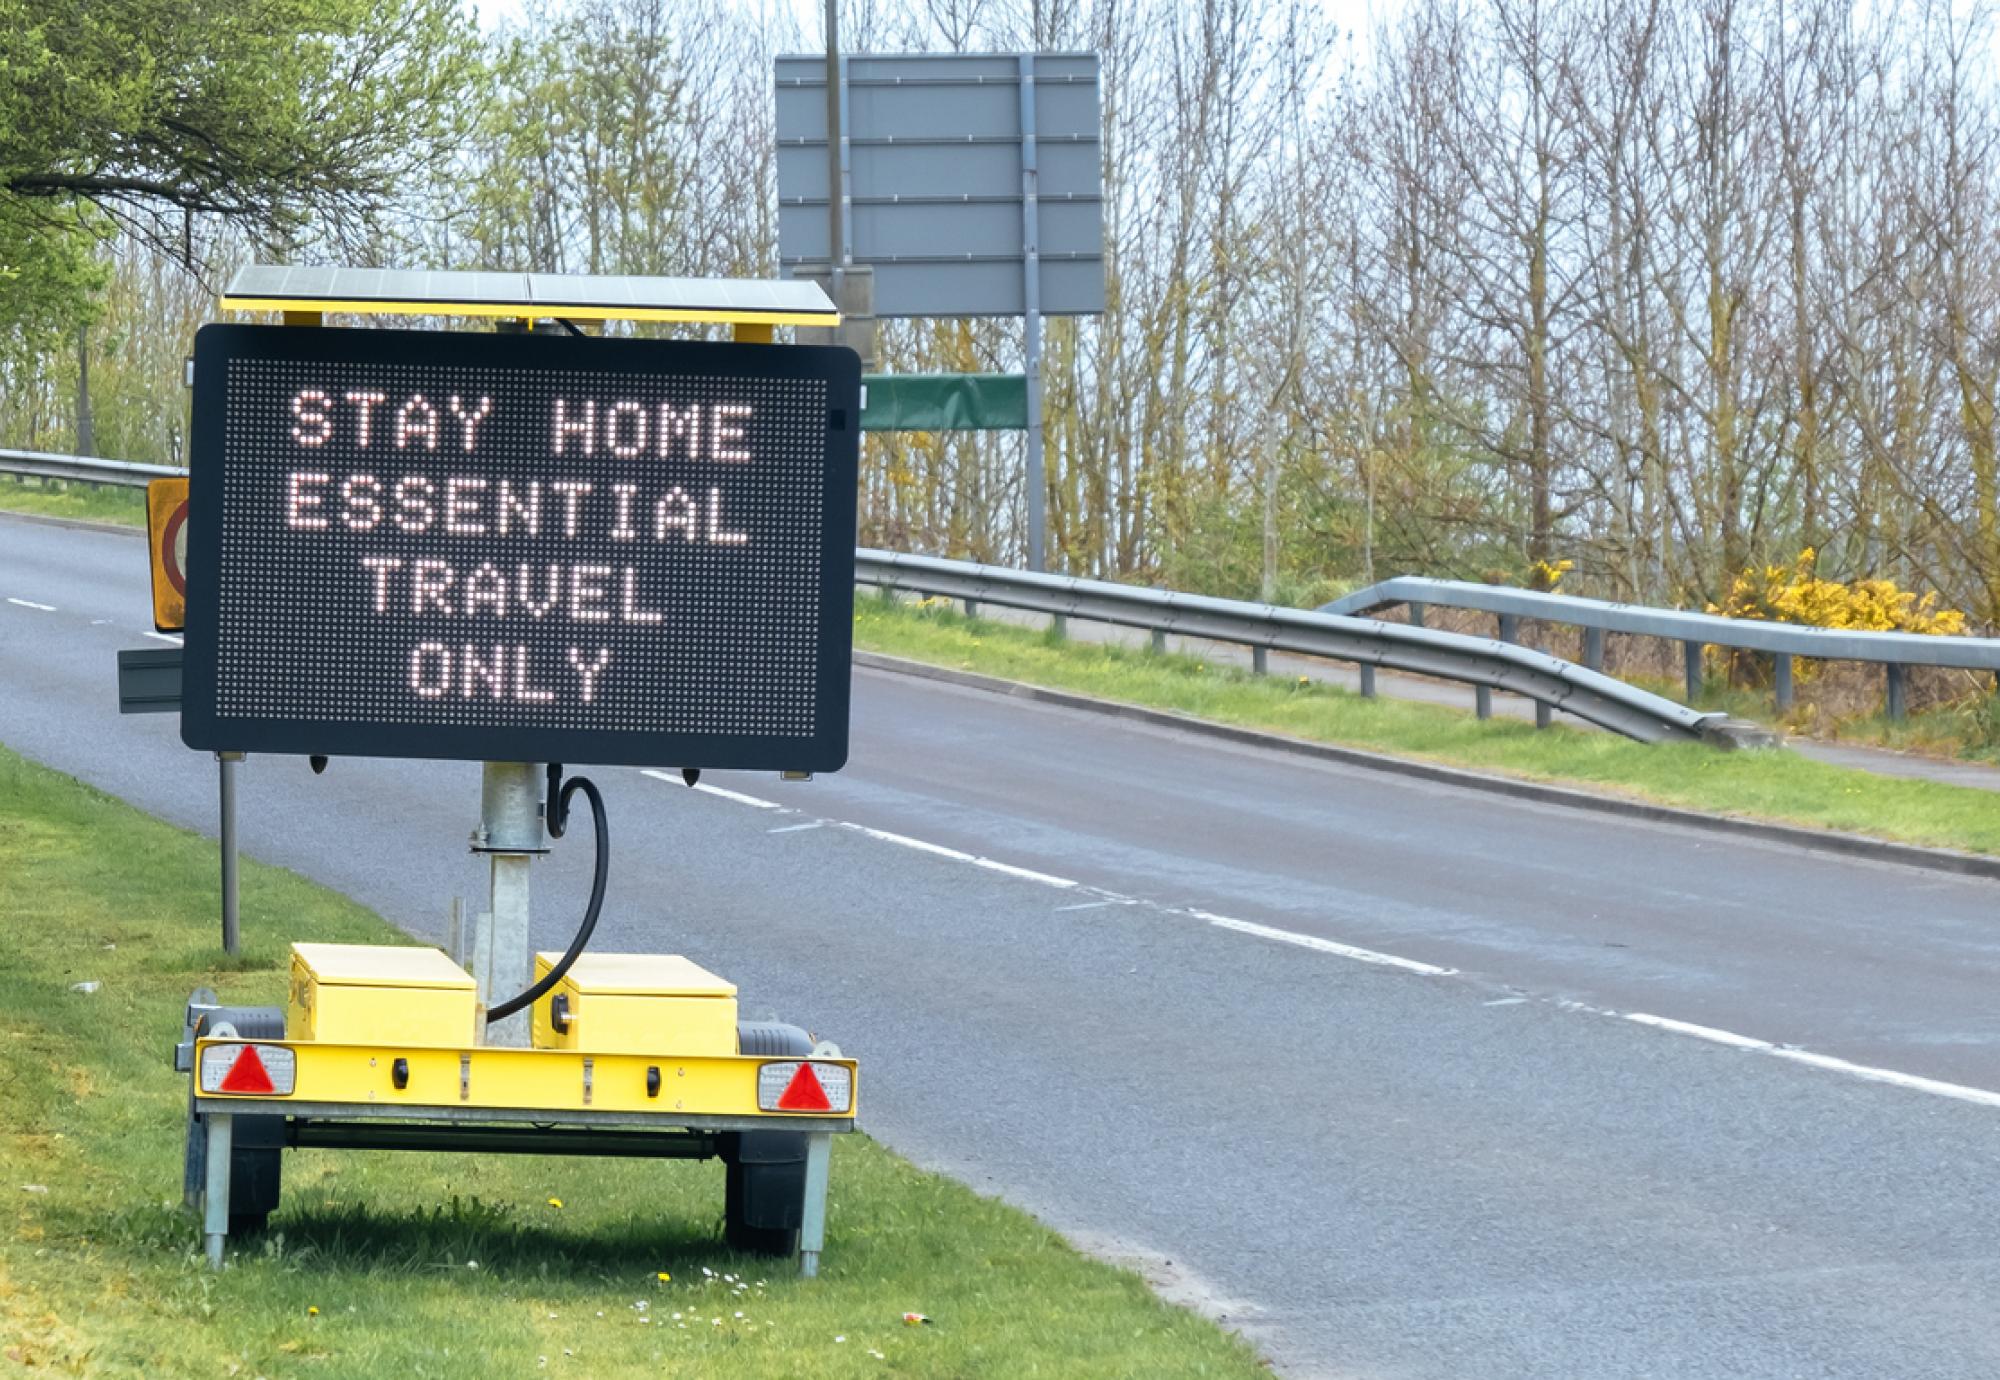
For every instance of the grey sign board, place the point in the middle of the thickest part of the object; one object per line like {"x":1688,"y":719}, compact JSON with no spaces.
{"x":947,"y":200}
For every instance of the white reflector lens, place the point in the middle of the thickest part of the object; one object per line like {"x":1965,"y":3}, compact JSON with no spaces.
{"x":249,"y":1070}
{"x":804,"y":1087}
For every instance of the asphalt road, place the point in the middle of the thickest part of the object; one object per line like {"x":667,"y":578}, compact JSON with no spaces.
{"x":1372,"y":1170}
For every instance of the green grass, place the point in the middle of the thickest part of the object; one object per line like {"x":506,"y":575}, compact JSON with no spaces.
{"x":56,"y":498}
{"x":101,"y":1274}
{"x":1765,"y":785}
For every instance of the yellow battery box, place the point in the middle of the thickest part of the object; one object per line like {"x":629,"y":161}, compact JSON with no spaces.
{"x":382,"y":994}
{"x":635,"y":1004}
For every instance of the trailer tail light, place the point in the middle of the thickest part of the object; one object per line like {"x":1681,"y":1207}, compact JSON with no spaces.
{"x":249,"y":1070}
{"x":796,"y":1086}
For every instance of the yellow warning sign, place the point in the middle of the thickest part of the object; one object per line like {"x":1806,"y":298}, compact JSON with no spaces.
{"x":166,"y":528}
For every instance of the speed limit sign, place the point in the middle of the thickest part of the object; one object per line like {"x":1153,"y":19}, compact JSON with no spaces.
{"x":166,"y":529}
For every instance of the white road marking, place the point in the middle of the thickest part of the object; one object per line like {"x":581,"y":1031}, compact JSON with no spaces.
{"x":1325,"y":946}
{"x":31,"y":604}
{"x":1699,"y":1032}
{"x":1958,"y":1092}
{"x":960,"y":855}
{"x":1665,"y":1024}
{"x":164,"y":637}
{"x":674,"y":778}
{"x":795,"y":828}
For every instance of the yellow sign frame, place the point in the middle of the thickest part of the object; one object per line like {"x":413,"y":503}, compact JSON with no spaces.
{"x":166,"y":519}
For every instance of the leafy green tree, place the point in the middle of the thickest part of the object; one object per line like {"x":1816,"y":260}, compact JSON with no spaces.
{"x":294,"y":121}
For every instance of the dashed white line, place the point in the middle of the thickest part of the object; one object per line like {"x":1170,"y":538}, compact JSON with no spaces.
{"x":1325,"y":946}
{"x":1699,"y":1032}
{"x":174,"y":638}
{"x":1667,"y":1025}
{"x":674,"y":778}
{"x":797,"y":828}
{"x":960,"y":855}
{"x":31,"y":604}
{"x":1958,"y":1092}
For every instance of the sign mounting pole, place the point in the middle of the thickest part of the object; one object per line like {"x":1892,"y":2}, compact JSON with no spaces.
{"x":1031,"y":284}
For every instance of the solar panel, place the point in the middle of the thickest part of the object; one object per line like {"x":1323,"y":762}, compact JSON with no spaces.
{"x":419,"y":292}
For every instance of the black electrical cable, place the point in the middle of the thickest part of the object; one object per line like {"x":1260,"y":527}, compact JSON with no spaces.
{"x":558,"y":820}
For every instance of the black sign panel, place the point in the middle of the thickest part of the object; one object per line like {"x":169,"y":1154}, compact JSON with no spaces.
{"x":521,"y":548}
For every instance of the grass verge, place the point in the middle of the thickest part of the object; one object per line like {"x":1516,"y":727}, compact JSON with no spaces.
{"x":1764,"y":785}
{"x":58,"y":498}
{"x":441,"y":1265}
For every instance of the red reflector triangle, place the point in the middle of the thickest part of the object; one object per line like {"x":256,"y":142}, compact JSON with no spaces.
{"x":247,"y":1075}
{"x":802,"y":1094}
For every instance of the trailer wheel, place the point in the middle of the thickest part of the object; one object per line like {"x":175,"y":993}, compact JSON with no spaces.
{"x":256,"y":1150}
{"x":764,"y":1189}
{"x":745,"y":1186}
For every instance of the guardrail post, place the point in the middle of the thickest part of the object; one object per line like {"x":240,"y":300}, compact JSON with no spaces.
{"x":1781,"y":681}
{"x":972,"y":608}
{"x":1896,"y":707}
{"x":1593,"y":648}
{"x":1159,"y":642}
{"x":1059,"y":626}
{"x":1510,"y":627}
{"x":1691,"y":664}
{"x":1416,"y":614}
{"x":1367,"y":680}
{"x":1482,"y":701}
{"x":1260,"y":661}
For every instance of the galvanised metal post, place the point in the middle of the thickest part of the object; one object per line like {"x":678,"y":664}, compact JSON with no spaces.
{"x":227,"y":763}
{"x":1260,"y":661}
{"x":1593,"y":648}
{"x":1781,"y":680}
{"x":1895,"y":696}
{"x":510,"y":835}
{"x":1367,"y":680}
{"x":1691,"y":666}
{"x":1031,"y":283}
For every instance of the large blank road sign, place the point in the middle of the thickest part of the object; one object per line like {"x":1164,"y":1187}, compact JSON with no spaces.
{"x":935,"y":161}
{"x":521,"y":548}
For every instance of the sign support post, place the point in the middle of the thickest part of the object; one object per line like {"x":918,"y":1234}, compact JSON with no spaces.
{"x":510,"y":835}
{"x":1031,"y":287}
{"x":226,"y":763}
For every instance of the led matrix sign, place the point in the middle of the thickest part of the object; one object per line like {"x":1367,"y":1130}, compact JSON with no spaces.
{"x":521,"y":548}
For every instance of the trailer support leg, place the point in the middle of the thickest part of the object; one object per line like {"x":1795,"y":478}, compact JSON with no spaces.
{"x":217,"y":1127}
{"x":812,"y":1225}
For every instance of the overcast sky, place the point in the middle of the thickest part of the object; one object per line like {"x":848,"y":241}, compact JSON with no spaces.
{"x":1357,"y":15}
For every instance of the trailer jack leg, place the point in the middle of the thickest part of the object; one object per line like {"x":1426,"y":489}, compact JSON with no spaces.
{"x":218,"y":1127}
{"x":812,"y":1224}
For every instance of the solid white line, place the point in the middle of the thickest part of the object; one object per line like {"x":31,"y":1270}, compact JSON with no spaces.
{"x":31,"y":604}
{"x":163,"y":637}
{"x":674,"y":778}
{"x":1325,"y":946}
{"x":1958,"y":1092}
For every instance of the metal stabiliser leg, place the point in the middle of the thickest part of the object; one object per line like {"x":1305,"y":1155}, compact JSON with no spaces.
{"x":812,"y":1225}
{"x":219,"y":1128}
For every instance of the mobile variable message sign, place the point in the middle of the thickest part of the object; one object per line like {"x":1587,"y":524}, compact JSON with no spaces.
{"x":521,"y":548}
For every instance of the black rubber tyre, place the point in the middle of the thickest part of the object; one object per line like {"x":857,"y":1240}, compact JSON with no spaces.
{"x":256,"y":1152}
{"x":764,"y":1189}
{"x":738,"y":1234}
